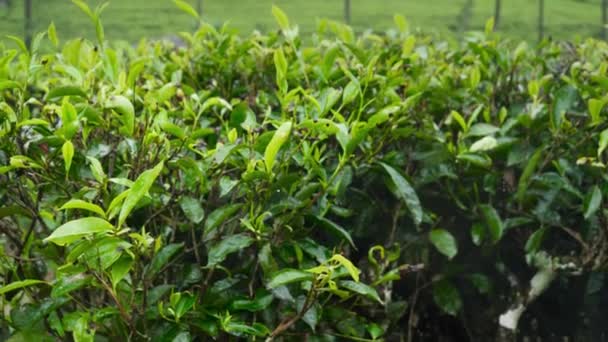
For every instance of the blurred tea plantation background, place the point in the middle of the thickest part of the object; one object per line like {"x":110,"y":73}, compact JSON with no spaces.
{"x":134,"y":19}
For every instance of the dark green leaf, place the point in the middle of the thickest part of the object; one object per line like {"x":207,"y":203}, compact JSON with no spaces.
{"x":476,"y":159}
{"x":13,"y":210}
{"x":527,"y":174}
{"x":447,"y":297}
{"x":287,"y":276}
{"x":260,"y":302}
{"x":565,"y":98}
{"x":493,"y":222}
{"x":535,"y":240}
{"x":335,"y":229}
{"x":228,"y":245}
{"x":593,"y":201}
{"x":120,"y":269}
{"x":478,"y":233}
{"x":103,"y":253}
{"x":65,"y":285}
{"x":241,"y":329}
{"x":218,"y":216}
{"x":361,"y":289}
{"x":405,"y":192}
{"x":192,"y":208}
{"x":444,"y":242}
{"x":160,"y":259}
{"x":481,"y":282}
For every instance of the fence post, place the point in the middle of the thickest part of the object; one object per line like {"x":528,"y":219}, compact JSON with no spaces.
{"x":347,"y":11}
{"x":497,"y":7}
{"x":27,"y":28}
{"x":541,"y":19}
{"x":464,"y":18}
{"x":604,"y":19}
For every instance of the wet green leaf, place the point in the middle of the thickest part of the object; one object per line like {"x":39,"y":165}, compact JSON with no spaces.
{"x":220,"y":215}
{"x":161,"y":258}
{"x":80,"y":204}
{"x":493,"y":222}
{"x":527,"y":174}
{"x":68,"y":154}
{"x":125,"y":108}
{"x":335,"y":229}
{"x":192,"y":208}
{"x":593,"y":201}
{"x":447,"y":297}
{"x":444,"y":242}
{"x":272,"y":149}
{"x":60,"y":92}
{"x":76,"y":229}
{"x":405,"y":192}
{"x":138,"y":191}
{"x":595,"y":107}
{"x":19,"y":285}
{"x":361,"y":289}
{"x":228,"y":245}
{"x":565,"y":98}
{"x":120,"y":269}
{"x":287,"y":276}
{"x":535,"y":240}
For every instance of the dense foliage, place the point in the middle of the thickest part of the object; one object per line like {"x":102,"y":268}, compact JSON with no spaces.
{"x":360,"y":187}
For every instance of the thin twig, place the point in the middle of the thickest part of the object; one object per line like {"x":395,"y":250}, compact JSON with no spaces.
{"x":286,"y":324}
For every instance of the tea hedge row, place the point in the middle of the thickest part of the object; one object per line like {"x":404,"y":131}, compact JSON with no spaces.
{"x":361,"y":187}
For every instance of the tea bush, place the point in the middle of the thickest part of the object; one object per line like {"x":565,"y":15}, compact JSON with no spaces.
{"x":351,"y":187}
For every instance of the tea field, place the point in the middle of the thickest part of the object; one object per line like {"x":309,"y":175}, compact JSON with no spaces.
{"x":352,"y":185}
{"x":134,"y":19}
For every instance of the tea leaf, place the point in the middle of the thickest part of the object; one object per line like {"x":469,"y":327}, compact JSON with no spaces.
{"x":444,"y":242}
{"x":138,"y":191}
{"x":405,"y":192}
{"x":287,"y":276}
{"x":272,"y":149}
{"x":229,"y":245}
{"x":76,"y":229}
{"x":80,"y":204}
{"x":124,"y":107}
{"x":184,"y":6}
{"x":68,"y":153}
{"x":493,"y":222}
{"x":280,"y":17}
{"x":593,"y":202}
{"x":19,"y":285}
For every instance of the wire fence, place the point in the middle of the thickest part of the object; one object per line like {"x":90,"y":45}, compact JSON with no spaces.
{"x":135,"y":19}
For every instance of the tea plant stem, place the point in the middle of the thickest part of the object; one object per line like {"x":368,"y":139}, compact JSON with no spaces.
{"x":310,"y":298}
{"x":396,"y":212}
{"x":410,"y":322}
{"x":123,"y":312}
{"x":207,"y":280}
{"x":195,"y":245}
